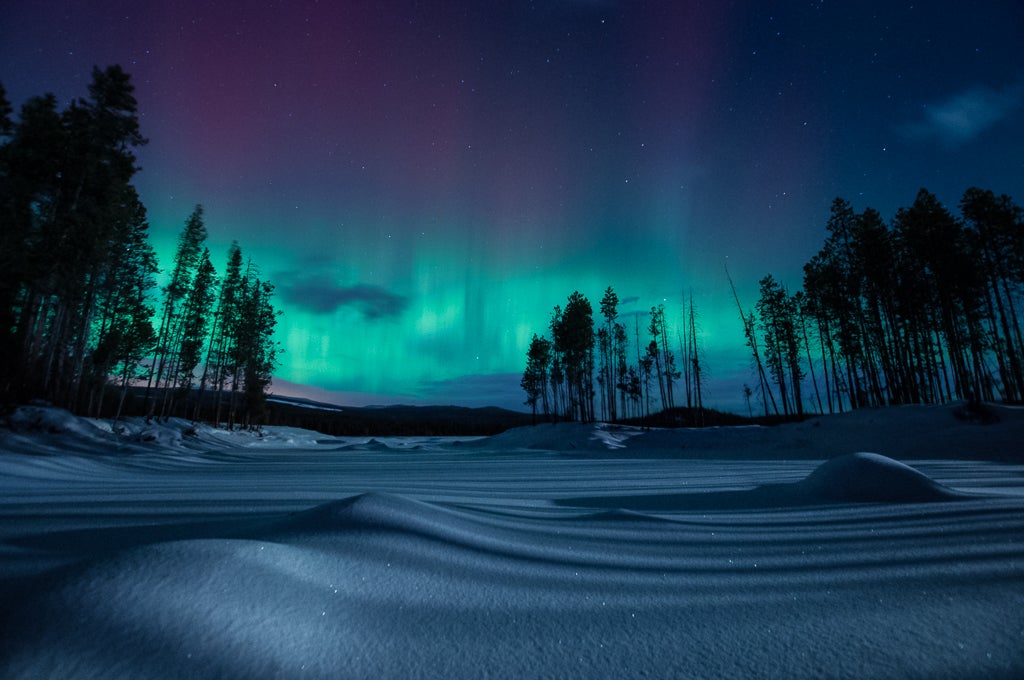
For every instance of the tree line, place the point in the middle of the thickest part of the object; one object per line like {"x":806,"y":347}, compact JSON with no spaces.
{"x":79,"y":320}
{"x":923,"y":309}
{"x":580,"y":373}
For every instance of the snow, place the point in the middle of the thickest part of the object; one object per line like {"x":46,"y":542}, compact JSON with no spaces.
{"x":883,"y":543}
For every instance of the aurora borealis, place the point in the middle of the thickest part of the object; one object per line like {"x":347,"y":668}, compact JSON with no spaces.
{"x":423,"y":182}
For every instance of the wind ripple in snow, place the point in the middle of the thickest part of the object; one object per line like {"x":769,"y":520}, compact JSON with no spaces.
{"x":488,"y":559}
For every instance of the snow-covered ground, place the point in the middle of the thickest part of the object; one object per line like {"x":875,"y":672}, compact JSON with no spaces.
{"x":562,"y":551}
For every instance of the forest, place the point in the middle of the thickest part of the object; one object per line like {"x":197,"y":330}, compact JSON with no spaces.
{"x":82,"y":326}
{"x":922,"y":309}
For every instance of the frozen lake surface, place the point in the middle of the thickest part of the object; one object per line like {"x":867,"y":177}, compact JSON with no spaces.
{"x":556,"y":551}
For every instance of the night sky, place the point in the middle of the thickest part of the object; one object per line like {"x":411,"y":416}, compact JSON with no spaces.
{"x":424,"y":181}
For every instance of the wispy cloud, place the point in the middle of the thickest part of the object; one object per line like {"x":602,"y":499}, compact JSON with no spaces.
{"x":322,"y":296}
{"x":965,"y":115}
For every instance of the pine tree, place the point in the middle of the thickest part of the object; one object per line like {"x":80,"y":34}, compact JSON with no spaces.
{"x":772,"y":309}
{"x":223,"y":344}
{"x":64,"y":203}
{"x":573,"y":332}
{"x":257,"y":349}
{"x":995,"y":225}
{"x":609,"y":310}
{"x":535,"y":377}
{"x":169,"y":337}
{"x":123,"y":334}
{"x":195,"y":318}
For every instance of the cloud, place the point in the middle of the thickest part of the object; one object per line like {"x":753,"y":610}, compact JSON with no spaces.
{"x":322,"y":296}
{"x":966,"y":115}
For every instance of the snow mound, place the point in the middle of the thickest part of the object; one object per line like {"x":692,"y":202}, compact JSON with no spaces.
{"x":870,"y":477}
{"x":853,"y":478}
{"x":368,"y":511}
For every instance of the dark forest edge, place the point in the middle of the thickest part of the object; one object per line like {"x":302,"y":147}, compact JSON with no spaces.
{"x":80,"y":324}
{"x":921,"y":310}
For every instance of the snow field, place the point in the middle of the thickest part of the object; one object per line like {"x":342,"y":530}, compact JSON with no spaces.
{"x":512,"y":557}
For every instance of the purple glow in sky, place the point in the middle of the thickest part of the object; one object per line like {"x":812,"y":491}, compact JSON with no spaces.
{"x":423,"y":182}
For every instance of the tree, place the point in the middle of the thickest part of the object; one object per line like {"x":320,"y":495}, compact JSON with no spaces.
{"x":66,"y":204}
{"x":995,"y":225}
{"x":223,"y":344}
{"x":124,"y":335}
{"x":535,"y":377}
{"x":573,"y":332}
{"x":750,"y":334}
{"x":623,"y":381}
{"x":194,"y":324}
{"x":654,"y":351}
{"x":257,"y":350}
{"x":947,"y":292}
{"x":186,"y":262}
{"x":77,"y":268}
{"x":777,"y":312}
{"x":693,"y":370}
{"x":923,"y":311}
{"x":609,"y":338}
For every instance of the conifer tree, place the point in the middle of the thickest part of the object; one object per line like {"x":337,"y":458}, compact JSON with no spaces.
{"x":996,"y":227}
{"x":535,"y":377}
{"x":573,"y":332}
{"x":64,"y":202}
{"x":223,"y":343}
{"x":609,"y":310}
{"x":186,"y":261}
{"x":123,"y":333}
{"x":195,"y":317}
{"x":777,"y":312}
{"x":257,"y":350}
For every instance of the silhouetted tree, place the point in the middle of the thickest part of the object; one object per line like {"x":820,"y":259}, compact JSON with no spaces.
{"x":750,"y":333}
{"x":574,"y":341}
{"x":77,"y":268}
{"x":607,"y":343}
{"x":995,"y":226}
{"x":195,"y":318}
{"x":223,"y":344}
{"x":123,"y":332}
{"x":922,"y":311}
{"x":187,"y":258}
{"x":777,"y":312}
{"x":66,"y":204}
{"x":535,"y":377}
{"x":257,"y":350}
